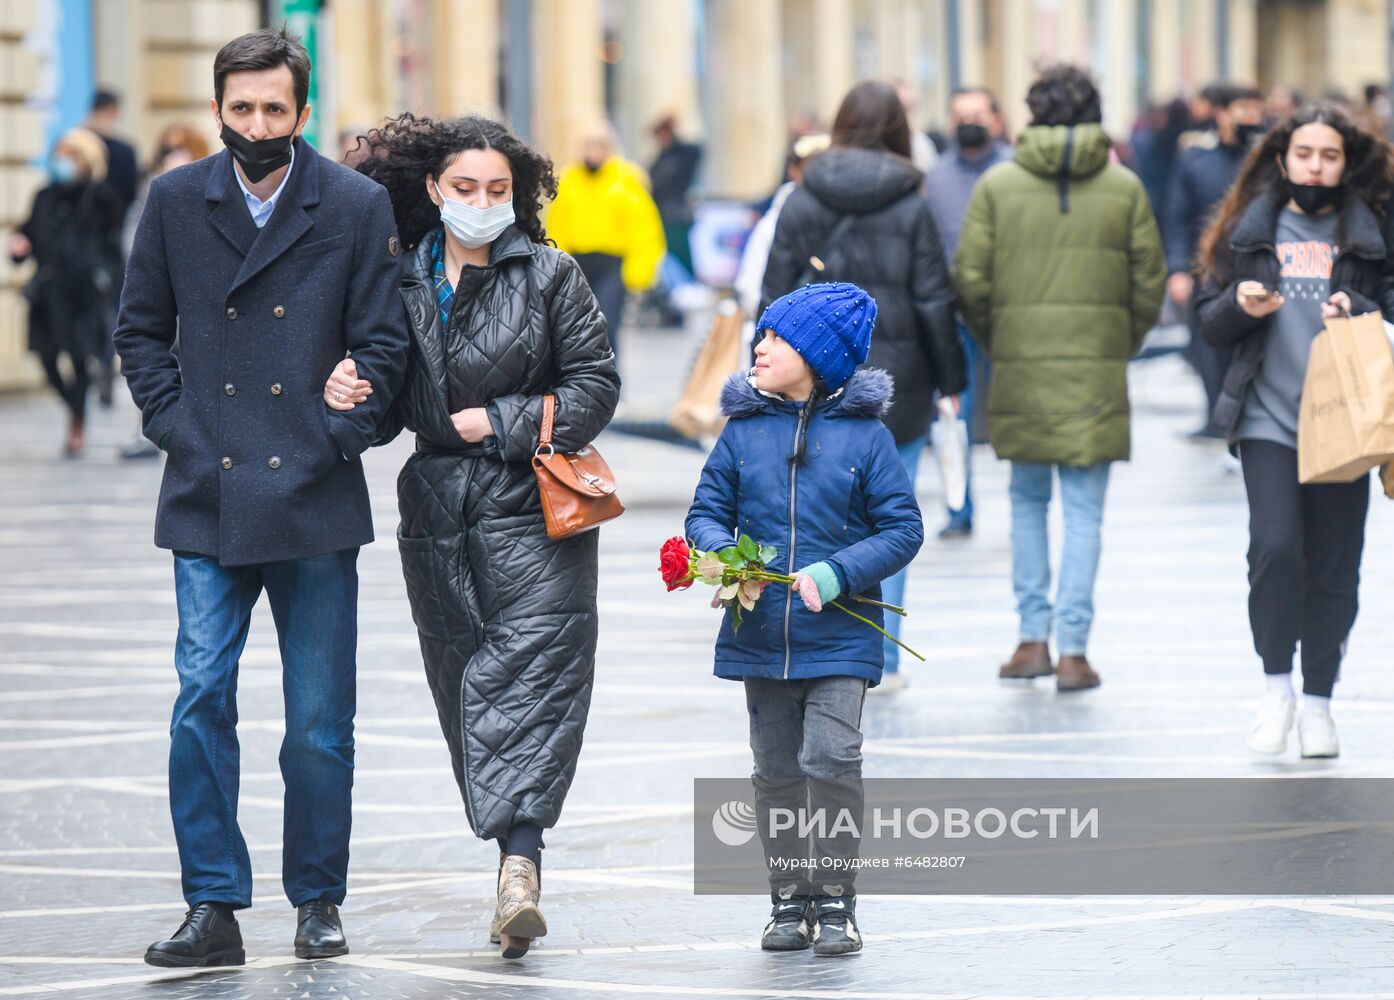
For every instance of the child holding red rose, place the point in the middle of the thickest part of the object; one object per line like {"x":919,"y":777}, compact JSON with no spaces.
{"x":805,"y":465}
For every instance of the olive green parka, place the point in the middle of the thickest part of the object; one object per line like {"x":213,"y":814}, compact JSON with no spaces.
{"x":1059,"y":275}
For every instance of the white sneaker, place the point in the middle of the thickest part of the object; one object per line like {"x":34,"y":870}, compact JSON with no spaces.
{"x":1270,"y":732}
{"x":1316,"y":733}
{"x":890,"y":683}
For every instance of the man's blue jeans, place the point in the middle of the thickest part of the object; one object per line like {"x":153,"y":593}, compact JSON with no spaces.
{"x":1082,"y":492}
{"x":315,"y":605}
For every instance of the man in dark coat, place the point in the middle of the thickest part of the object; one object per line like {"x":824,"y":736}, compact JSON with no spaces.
{"x":978,"y":128}
{"x":670,"y":180}
{"x":274,"y":263}
{"x":1199,"y":182}
{"x":122,"y":175}
{"x":122,"y":172}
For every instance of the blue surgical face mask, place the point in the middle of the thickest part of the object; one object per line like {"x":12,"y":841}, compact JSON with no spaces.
{"x":475,"y":227}
{"x":63,"y":169}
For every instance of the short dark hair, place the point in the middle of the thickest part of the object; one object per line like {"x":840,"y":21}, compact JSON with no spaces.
{"x":1222,"y":95}
{"x":965,"y":91}
{"x":1216,"y":93}
{"x":264,"y":49}
{"x":104,"y":99}
{"x":1064,"y":95}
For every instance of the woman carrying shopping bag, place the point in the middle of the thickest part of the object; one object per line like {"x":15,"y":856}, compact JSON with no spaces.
{"x":1297,"y":240}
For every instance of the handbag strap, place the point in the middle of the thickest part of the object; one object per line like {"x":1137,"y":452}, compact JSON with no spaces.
{"x":549,"y":416}
{"x":833,"y":241}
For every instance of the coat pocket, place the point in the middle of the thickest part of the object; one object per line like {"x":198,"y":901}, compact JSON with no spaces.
{"x":318,"y":246}
{"x":427,"y":587}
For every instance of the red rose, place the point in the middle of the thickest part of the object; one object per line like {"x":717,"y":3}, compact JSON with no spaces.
{"x":675,"y":563}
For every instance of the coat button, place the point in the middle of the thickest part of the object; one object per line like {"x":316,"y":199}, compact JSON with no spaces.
{"x":274,"y":461}
{"x":230,"y":389}
{"x":278,"y":312}
{"x":227,"y":463}
{"x":276,"y":389}
{"x":231,"y":313}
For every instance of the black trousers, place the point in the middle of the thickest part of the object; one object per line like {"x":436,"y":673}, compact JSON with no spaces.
{"x":72,"y":392}
{"x":1304,"y":563}
{"x":603,"y":273}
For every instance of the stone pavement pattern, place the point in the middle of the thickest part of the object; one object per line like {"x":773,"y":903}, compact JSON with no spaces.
{"x":88,"y":874}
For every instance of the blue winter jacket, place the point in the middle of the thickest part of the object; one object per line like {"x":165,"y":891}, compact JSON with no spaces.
{"x":849,"y":503}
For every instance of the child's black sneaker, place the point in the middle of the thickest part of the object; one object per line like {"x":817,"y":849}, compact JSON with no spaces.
{"x":835,"y":932}
{"x":791,"y":925}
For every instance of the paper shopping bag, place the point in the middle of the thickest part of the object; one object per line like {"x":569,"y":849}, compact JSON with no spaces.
{"x":698,"y":410}
{"x":1346,"y":424}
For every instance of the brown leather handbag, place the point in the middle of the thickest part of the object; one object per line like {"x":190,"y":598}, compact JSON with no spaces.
{"x":577,"y":488}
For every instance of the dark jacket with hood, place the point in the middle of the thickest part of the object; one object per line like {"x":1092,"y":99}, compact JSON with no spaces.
{"x":1358,"y":271}
{"x":1059,"y":273}
{"x":506,"y":616}
{"x":892,"y":250}
{"x":848,"y":503}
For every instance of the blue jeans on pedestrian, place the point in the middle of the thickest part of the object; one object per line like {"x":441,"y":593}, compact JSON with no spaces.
{"x":314,"y":603}
{"x":967,"y":400}
{"x":1082,"y":491}
{"x":893,"y":587}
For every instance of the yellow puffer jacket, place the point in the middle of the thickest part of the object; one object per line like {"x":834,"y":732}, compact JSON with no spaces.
{"x":609,"y":211}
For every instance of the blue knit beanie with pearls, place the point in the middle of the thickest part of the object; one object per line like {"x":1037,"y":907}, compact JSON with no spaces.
{"x":828,"y":323}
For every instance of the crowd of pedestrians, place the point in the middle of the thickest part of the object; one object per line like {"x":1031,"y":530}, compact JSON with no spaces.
{"x":280,"y":313}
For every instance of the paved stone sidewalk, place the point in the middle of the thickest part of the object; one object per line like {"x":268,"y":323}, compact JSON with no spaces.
{"x":88,"y":875}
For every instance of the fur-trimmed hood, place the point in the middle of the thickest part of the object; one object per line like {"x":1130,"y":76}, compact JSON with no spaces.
{"x":868,"y":393}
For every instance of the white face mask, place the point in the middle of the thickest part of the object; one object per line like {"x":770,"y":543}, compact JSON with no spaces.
{"x":475,"y":227}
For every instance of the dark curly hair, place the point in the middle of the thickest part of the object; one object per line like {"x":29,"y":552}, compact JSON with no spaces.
{"x":1064,"y":95}
{"x":1368,"y":174}
{"x":405,"y":150}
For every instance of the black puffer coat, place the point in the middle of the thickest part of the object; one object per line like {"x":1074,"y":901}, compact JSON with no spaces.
{"x":892,"y":250}
{"x":506,"y":616}
{"x":1359,"y":271}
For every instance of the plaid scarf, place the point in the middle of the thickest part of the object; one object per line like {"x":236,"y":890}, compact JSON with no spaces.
{"x":445,"y":295}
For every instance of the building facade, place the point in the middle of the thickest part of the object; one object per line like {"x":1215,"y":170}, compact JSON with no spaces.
{"x":736,"y":73}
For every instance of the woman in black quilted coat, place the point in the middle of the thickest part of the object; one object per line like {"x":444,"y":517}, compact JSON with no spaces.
{"x":506,"y":616}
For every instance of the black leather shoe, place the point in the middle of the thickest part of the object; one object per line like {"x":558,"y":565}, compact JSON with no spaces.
{"x":208,"y":936}
{"x":320,"y":933}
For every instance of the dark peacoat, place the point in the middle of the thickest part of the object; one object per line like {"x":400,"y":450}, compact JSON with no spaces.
{"x":259,"y":469}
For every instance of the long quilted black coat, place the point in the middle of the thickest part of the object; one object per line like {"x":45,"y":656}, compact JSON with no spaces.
{"x":506,"y":616}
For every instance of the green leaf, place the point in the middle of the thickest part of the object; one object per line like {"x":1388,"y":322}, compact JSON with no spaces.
{"x":748,"y":549}
{"x":736,"y":619}
{"x":731,"y":556}
{"x":768,"y":554}
{"x":710,"y":568}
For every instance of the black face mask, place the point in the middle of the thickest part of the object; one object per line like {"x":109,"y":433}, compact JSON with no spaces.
{"x":971,"y":136}
{"x":1312,"y":198}
{"x":260,"y":157}
{"x":1246,"y":135}
{"x":592,"y":166}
